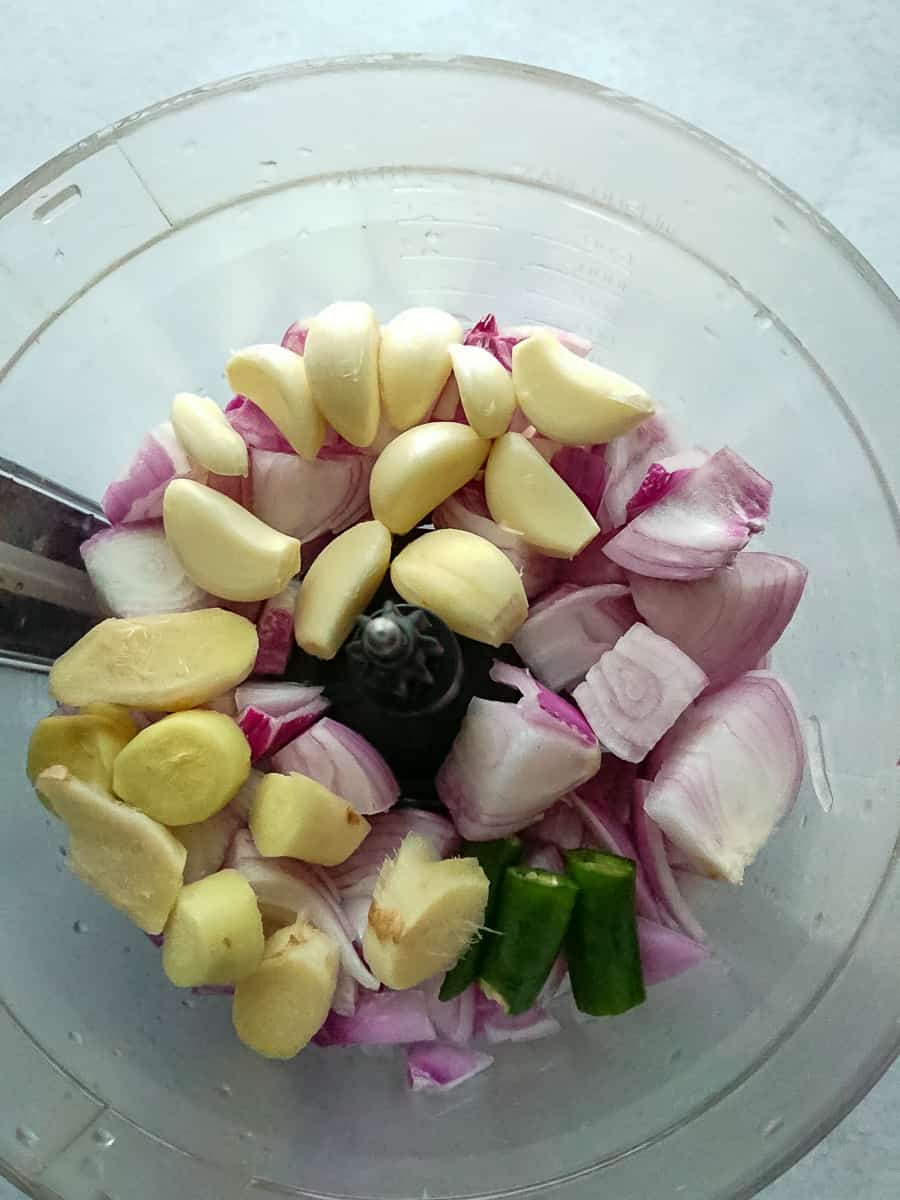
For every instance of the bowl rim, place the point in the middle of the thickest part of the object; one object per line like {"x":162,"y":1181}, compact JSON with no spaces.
{"x":873,"y":1068}
{"x":85,"y":147}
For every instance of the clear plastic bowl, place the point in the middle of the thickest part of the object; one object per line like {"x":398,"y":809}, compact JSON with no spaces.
{"x":130,"y":265}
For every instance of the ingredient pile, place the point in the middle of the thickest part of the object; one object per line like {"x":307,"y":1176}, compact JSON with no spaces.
{"x":434,"y":661}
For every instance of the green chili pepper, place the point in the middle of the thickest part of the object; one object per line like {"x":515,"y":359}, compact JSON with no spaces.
{"x":531,"y":921}
{"x":494,"y":858}
{"x":601,"y":944}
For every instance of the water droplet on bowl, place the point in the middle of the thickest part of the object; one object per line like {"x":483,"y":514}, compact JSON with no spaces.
{"x":27,"y":1137}
{"x":104,"y":1138}
{"x":772,"y":1126}
{"x":224,"y":1089}
{"x":59,"y":255}
{"x":80,"y":926}
{"x":248,"y":1135}
{"x":762,"y":320}
{"x":76,"y":1037}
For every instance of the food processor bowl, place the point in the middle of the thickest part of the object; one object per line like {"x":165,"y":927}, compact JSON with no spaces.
{"x":130,"y":267}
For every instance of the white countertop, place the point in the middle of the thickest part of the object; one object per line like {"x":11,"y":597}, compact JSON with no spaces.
{"x":811,"y":90}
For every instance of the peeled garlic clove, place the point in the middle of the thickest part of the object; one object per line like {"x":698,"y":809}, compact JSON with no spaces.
{"x":338,"y":586}
{"x":223,"y":547}
{"x":215,"y":932}
{"x":526,"y":495}
{"x":206,"y":435}
{"x":280,"y":1007}
{"x":571,"y":400}
{"x":420,"y":468}
{"x":161,"y":664}
{"x":414,"y":362}
{"x":184,"y":768}
{"x":341,"y":357}
{"x":133,"y":862}
{"x":466,"y":581}
{"x":275,"y":379}
{"x":295,"y":816}
{"x":485,"y":389}
{"x":424,"y":913}
{"x":85,"y":743}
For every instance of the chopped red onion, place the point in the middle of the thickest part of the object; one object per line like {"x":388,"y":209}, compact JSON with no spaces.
{"x":275,"y":628}
{"x":567,"y":632}
{"x":662,"y":477}
{"x":295,"y":336}
{"x":665,"y":952}
{"x":306,"y":499}
{"x":544,"y":857}
{"x":561,"y":825}
{"x":651,"y":848}
{"x":728,"y":622}
{"x":382,"y":1018}
{"x":612,"y":787}
{"x":346,"y":994}
{"x":284,"y":883}
{"x":709,"y":514}
{"x":344,"y":762}
{"x":591,"y":566}
{"x":511,"y":762}
{"x":257,"y":430}
{"x":729,"y":774}
{"x":584,"y":469}
{"x":207,"y":843}
{"x":485,"y":333}
{"x":453,"y":1019}
{"x":440,"y":1066}
{"x":137,"y":495}
{"x":528,"y":1026}
{"x":628,"y":459}
{"x":467,"y":509}
{"x":356,"y":875}
{"x":135,"y":573}
{"x":238,"y":488}
{"x":448,"y":406}
{"x":607,"y":833}
{"x":272,"y":714}
{"x":637,"y":691}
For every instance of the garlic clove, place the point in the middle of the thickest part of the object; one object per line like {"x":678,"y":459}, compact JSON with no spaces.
{"x":207,"y":437}
{"x":223,"y":547}
{"x":414,"y":363}
{"x":420,"y":468}
{"x":571,"y":400}
{"x":338,"y":586}
{"x":485,"y":389}
{"x":275,"y":379}
{"x":341,"y":357}
{"x":466,"y":581}
{"x":524,"y":494}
